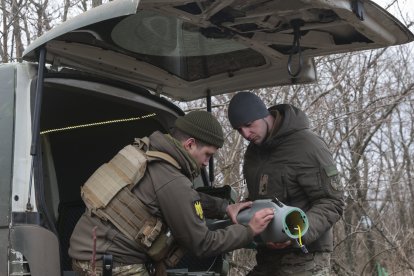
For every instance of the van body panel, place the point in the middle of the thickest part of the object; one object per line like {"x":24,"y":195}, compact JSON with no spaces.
{"x":95,"y":15}
{"x":4,"y":242}
{"x":26,"y":73}
{"x":190,"y":49}
{"x":104,"y":89}
{"x":7,"y":80}
{"x":40,"y":248}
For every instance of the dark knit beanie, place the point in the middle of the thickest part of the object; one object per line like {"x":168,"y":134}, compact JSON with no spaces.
{"x":246,"y":107}
{"x":202,"y":126}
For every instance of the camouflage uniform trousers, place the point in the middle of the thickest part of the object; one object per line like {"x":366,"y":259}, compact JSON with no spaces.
{"x":311,"y":264}
{"x":84,"y":268}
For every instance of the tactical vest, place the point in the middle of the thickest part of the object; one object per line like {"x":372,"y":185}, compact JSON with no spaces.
{"x":108,"y":195}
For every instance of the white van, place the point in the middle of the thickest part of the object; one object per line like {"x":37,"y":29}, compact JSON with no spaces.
{"x":92,"y":84}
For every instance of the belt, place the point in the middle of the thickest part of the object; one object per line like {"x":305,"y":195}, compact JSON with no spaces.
{"x":85,"y":267}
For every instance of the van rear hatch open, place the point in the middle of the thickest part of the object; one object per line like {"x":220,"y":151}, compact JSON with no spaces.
{"x":187,"y":50}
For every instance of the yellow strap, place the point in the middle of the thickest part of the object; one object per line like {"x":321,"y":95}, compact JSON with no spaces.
{"x":300,"y":236}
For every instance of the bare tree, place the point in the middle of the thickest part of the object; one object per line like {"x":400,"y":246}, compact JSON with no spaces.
{"x":4,"y":32}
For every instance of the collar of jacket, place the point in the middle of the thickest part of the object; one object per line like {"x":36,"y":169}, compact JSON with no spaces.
{"x":166,"y":143}
{"x":193,"y":168}
{"x":278,"y":119}
{"x":289,"y":119}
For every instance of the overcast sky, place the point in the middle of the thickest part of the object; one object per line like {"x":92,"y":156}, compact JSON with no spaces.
{"x":406,"y":8}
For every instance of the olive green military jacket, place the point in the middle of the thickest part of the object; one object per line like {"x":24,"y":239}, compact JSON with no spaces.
{"x":169,"y":194}
{"x":295,"y":165}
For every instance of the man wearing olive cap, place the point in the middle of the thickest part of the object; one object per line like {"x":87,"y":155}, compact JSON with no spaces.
{"x":286,"y":160}
{"x":167,"y":193}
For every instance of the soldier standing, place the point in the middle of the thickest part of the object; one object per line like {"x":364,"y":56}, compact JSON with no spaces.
{"x":287,"y":160}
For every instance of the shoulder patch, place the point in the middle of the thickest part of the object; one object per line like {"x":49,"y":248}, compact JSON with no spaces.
{"x":263,"y":184}
{"x":198,"y":209}
{"x":333,"y":174}
{"x":331,"y":170}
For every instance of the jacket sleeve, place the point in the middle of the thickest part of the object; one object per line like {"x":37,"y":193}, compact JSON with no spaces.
{"x":182,"y":210}
{"x":321,"y":186}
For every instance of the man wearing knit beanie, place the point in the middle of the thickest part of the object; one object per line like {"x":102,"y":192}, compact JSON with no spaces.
{"x":286,"y":160}
{"x":166,"y":190}
{"x":202,"y":126}
{"x":246,"y":108}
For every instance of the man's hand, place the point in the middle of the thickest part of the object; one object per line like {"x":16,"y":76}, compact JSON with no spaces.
{"x":234,"y":209}
{"x":260,"y":220}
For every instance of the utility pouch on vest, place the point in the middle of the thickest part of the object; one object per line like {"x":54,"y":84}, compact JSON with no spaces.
{"x":175,"y":254}
{"x":161,"y":246}
{"x":165,"y":250}
{"x":129,"y":215}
